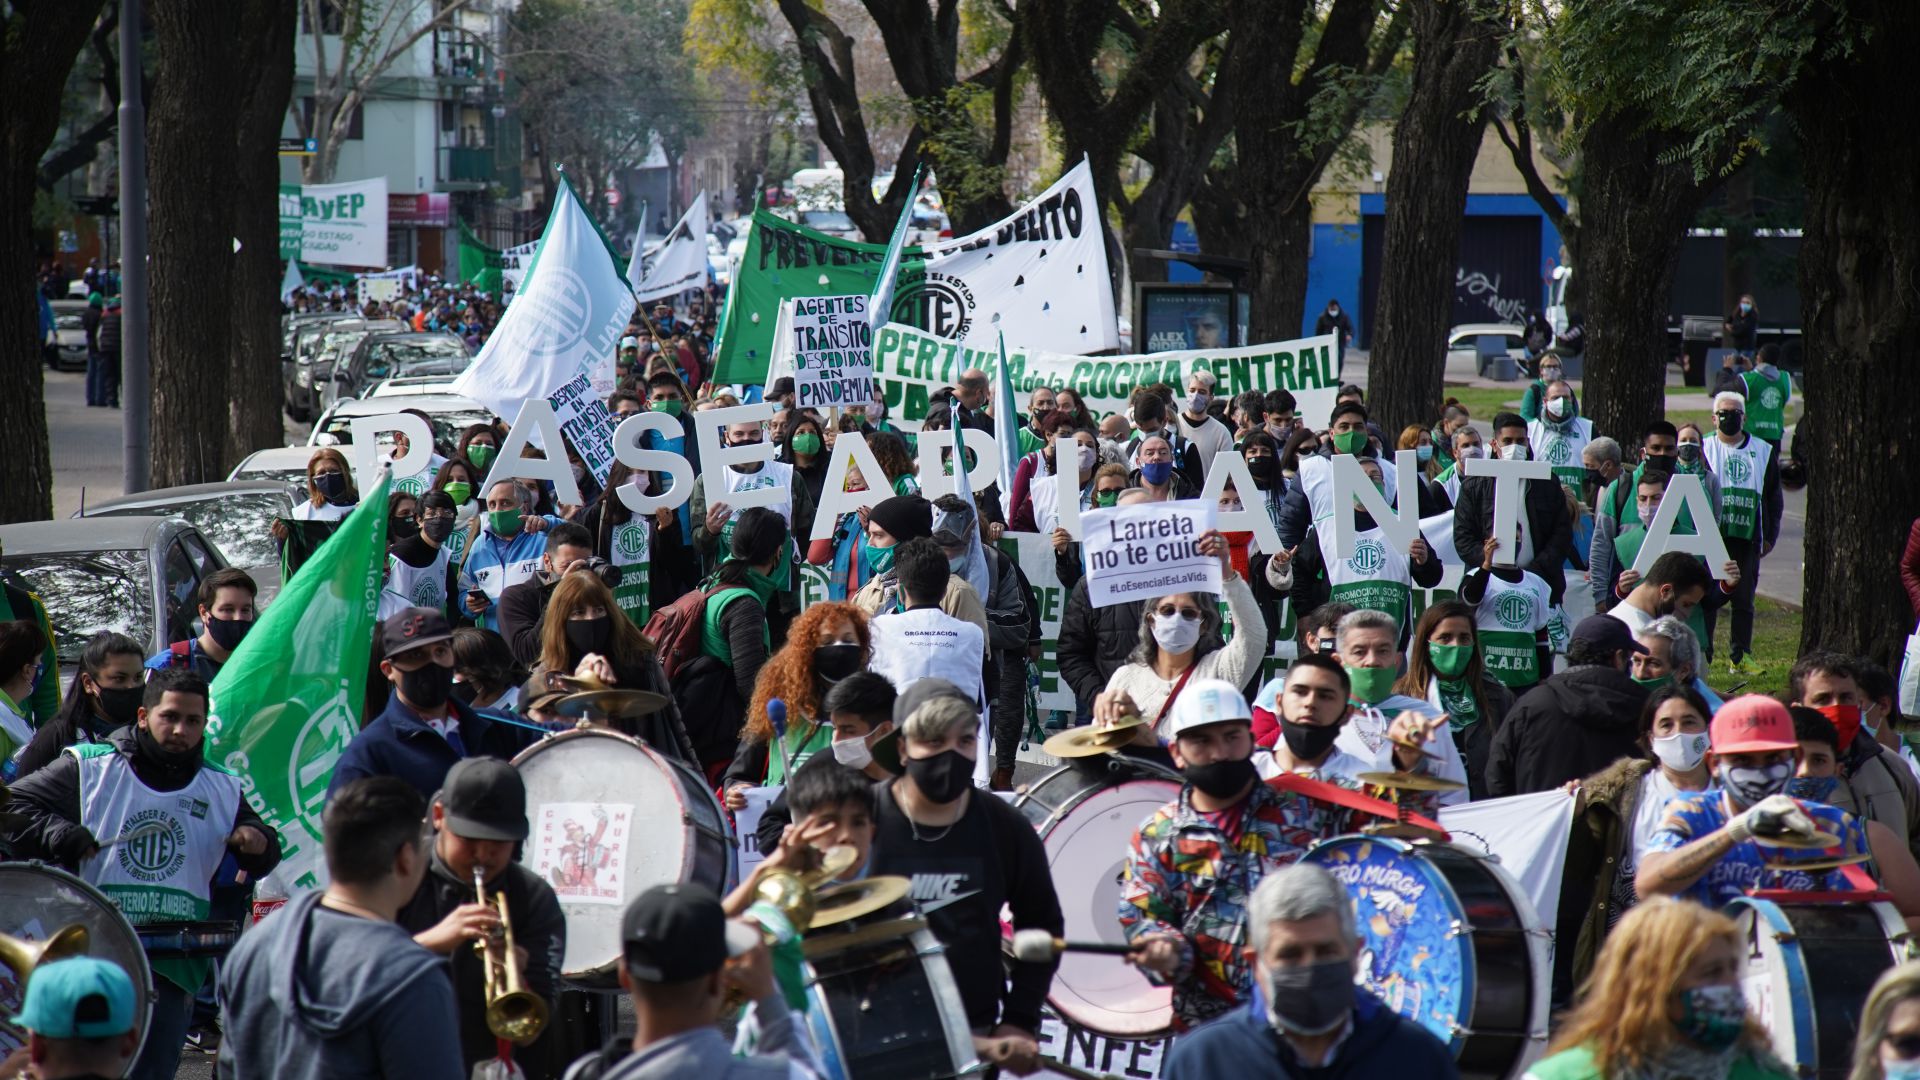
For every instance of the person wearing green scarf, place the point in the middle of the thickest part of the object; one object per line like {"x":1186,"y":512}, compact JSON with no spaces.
{"x":1445,"y":668}
{"x":739,"y":595}
{"x":1367,"y":643}
{"x":42,"y":702}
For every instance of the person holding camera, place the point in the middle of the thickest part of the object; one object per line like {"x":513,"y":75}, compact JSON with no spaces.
{"x":524,"y":606}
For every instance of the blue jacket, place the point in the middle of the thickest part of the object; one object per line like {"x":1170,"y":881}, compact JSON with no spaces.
{"x":399,"y":743}
{"x":1382,"y":1045}
{"x":489,"y":554}
{"x":196,"y":660}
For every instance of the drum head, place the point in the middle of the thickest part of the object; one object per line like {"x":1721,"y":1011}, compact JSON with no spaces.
{"x":609,"y":821}
{"x":1086,"y":851}
{"x":36,"y":901}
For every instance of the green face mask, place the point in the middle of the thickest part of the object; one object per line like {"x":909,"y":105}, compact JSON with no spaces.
{"x":504,"y":522}
{"x":1450,"y":661}
{"x":1105,"y":498}
{"x":1371,"y":684}
{"x":1654,"y":684}
{"x":481,"y":455}
{"x":1349,"y":442}
{"x":763,"y":586}
{"x":458,"y":490}
{"x":671,"y":406}
{"x":806,"y":443}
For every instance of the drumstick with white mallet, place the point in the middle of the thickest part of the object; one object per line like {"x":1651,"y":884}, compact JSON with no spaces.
{"x":1040,"y":947}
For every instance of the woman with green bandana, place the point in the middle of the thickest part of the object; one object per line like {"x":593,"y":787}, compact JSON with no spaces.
{"x":806,"y":450}
{"x":1444,"y":667}
{"x":457,"y":478}
{"x":478,"y":446}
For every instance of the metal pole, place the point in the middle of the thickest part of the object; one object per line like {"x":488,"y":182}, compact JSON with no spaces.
{"x":135,"y":377}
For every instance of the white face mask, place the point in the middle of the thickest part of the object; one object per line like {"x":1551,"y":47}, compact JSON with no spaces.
{"x":1681,"y":751}
{"x":1176,"y":634}
{"x":1514,"y":451}
{"x":1557,"y":408}
{"x":853,"y":753}
{"x":1197,"y":401}
{"x":1230,"y":508}
{"x":1086,"y":459}
{"x":1474,"y":451}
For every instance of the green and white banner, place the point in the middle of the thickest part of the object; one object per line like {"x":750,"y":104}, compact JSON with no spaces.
{"x":335,"y":224}
{"x":288,"y":702}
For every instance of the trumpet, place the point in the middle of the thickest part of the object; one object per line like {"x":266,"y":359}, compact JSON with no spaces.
{"x":22,"y":956}
{"x":514,"y":1013}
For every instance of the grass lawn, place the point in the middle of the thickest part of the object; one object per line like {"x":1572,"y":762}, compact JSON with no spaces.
{"x":1483,"y":402}
{"x":1776,"y":644}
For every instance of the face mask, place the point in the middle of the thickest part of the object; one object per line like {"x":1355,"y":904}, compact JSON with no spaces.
{"x":671,"y":406}
{"x":457,"y":490}
{"x":1449,"y":661}
{"x":1550,"y":375}
{"x":1655,"y":682}
{"x":504,"y":522}
{"x":1371,"y":684}
{"x":481,"y":455}
{"x":168,"y":760}
{"x":1175,"y":634}
{"x":1729,"y":424}
{"x":1712,"y":1017}
{"x":1156,"y":472}
{"x":1594,"y":479}
{"x":1559,"y":409}
{"x":1221,"y":779}
{"x":463,"y":692}
{"x":1681,"y":751}
{"x":1262,"y":469}
{"x":1312,"y":999}
{"x":1349,"y":442}
{"x":330,"y":485}
{"x":1661,"y":461}
{"x":1901,"y":1070}
{"x":1197,"y":402}
{"x":1689,"y":451}
{"x":1105,"y":498}
{"x":428,"y":686}
{"x":1817,"y":788}
{"x":853,"y":753}
{"x":1474,"y":451}
{"x":589,"y":635}
{"x":1230,"y":508}
{"x":943,"y":777}
{"x":876,"y":560}
{"x":437,"y":529}
{"x":1751,"y":785}
{"x":1086,"y":459}
{"x":836,"y":661}
{"x":120,"y":705}
{"x":402,"y":528}
{"x":1424,"y":453}
{"x":1514,"y":452}
{"x":1744,"y":308}
{"x":1308,"y":741}
{"x":1846,"y":722}
{"x":806,"y":443}
{"x":227,"y":633}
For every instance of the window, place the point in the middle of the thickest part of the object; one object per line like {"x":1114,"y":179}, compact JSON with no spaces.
{"x":333,"y":16}
{"x":182,"y":586}
{"x":356,"y":123}
{"x":87,"y":592}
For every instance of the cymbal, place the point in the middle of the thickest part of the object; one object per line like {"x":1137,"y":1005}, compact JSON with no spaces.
{"x":834,"y":861}
{"x":1812,"y":865}
{"x":1418,"y":748}
{"x":1791,"y":842}
{"x":856,"y":898}
{"x":1086,"y":741}
{"x":610,"y":703}
{"x":1409,"y":781}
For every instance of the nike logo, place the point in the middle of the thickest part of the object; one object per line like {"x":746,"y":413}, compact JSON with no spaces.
{"x":929,"y":908}
{"x":935,"y":891}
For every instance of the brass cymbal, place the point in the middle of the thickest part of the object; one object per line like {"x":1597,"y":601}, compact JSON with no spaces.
{"x":1418,"y":748}
{"x":1790,"y":842}
{"x":1815,"y":865}
{"x":857,"y":898}
{"x":834,"y":861}
{"x":1086,"y":741}
{"x":610,"y":703}
{"x":1409,"y":781}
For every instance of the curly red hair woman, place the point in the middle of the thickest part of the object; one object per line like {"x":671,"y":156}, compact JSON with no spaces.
{"x":828,"y":642}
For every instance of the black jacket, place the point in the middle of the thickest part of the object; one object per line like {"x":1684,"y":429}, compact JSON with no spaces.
{"x":522,"y":606}
{"x":1569,"y":727}
{"x":1547,"y":523}
{"x":1476,"y":742}
{"x":1095,"y":642}
{"x":538,"y":927}
{"x":49,"y":800}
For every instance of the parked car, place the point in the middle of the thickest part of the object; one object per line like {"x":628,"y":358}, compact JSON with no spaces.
{"x":1463,"y":343}
{"x":388,"y":356}
{"x":70,"y":334}
{"x":316,"y":352}
{"x":234,"y":515}
{"x":286,"y":464}
{"x":137,"y":576}
{"x":450,"y":414}
{"x":834,"y":223}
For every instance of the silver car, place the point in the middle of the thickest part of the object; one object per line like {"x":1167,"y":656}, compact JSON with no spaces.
{"x":236,"y":516}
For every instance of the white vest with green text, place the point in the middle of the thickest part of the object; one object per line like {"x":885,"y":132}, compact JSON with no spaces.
{"x":1743,"y":473}
{"x":1376,"y":577}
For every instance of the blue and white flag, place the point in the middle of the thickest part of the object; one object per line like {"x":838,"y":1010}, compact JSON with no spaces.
{"x":878,"y":310}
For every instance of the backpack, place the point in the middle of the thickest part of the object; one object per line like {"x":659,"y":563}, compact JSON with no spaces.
{"x":676,"y":629}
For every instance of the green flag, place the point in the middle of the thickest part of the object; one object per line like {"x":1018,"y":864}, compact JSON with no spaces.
{"x":288,"y":701}
{"x":479,"y":263}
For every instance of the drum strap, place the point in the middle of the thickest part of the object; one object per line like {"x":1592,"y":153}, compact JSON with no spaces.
{"x":1352,"y":800}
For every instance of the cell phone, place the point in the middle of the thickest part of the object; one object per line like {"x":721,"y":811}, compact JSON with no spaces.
{"x":471,"y":593}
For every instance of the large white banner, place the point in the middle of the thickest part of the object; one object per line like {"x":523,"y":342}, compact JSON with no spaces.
{"x":680,"y":263}
{"x":514,"y":264}
{"x":344,"y":224}
{"x":1527,"y":834}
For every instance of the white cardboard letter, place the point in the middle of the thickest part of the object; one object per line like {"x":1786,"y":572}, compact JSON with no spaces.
{"x":364,"y":431}
{"x":934,"y":478}
{"x":1507,"y":499}
{"x":848,"y":446}
{"x":536,"y":422}
{"x":715,"y":456}
{"x":1228,"y":465}
{"x":1066,"y":489}
{"x":1686,"y":490}
{"x":1400,"y":526}
{"x":628,"y":451}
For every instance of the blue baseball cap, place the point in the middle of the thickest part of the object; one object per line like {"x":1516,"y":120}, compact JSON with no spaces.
{"x":82,"y":997}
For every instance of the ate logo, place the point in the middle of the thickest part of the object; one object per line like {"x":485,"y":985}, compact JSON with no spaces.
{"x":1514,"y":609}
{"x":1368,"y":557}
{"x":412,"y":485}
{"x":1739,"y":469}
{"x":940,"y":304}
{"x":155,"y":856}
{"x":1770,"y":397}
{"x":632,"y":541}
{"x":1559,"y":451}
{"x":426,"y":592}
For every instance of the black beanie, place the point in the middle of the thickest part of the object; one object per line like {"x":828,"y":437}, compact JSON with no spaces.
{"x":905,"y":517}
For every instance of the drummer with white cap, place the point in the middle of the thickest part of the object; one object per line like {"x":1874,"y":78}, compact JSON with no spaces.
{"x":1194,"y":863}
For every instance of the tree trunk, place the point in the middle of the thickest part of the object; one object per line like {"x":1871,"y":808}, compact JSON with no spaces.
{"x":262,"y":47}
{"x":1435,"y":142}
{"x":195,"y":108}
{"x":1634,"y":213}
{"x":1277,"y":241}
{"x":1860,"y":437}
{"x":38,"y":44}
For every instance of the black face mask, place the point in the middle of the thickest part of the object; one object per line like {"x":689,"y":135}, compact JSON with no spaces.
{"x":402,"y":528}
{"x":428,"y":686}
{"x":1662,"y":461}
{"x":463,"y":692}
{"x":120,"y":705}
{"x":167,"y":761}
{"x":837,"y":661}
{"x":943,"y":777}
{"x":1308,"y":741}
{"x":1594,"y":479}
{"x":437,"y":529}
{"x":589,"y":635}
{"x":331,"y":486}
{"x":1221,"y":779}
{"x":227,"y":633}
{"x":1262,"y":469}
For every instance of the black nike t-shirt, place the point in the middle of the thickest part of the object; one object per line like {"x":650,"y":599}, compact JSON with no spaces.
{"x":962,"y":876}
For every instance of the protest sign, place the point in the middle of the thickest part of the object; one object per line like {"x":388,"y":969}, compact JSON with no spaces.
{"x":832,"y":351}
{"x":514,"y":264}
{"x":680,"y":262}
{"x":746,"y":822}
{"x":1040,"y":276}
{"x":1088,"y":1051}
{"x":1148,"y":550}
{"x":582,"y":412}
{"x":335,"y":224}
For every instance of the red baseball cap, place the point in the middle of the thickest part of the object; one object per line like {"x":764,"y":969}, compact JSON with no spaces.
{"x":1752,"y":723}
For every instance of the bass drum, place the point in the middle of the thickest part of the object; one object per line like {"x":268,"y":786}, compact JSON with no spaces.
{"x":1449,"y":940}
{"x":611,"y":817}
{"x":1808,"y":969}
{"x":1087,"y":812}
{"x":36,"y":901}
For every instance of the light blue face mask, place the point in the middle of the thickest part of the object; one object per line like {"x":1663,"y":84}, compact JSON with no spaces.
{"x":1901,"y":1070}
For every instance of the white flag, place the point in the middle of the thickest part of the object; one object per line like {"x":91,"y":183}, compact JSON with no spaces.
{"x":293,"y":280}
{"x":681,"y":262}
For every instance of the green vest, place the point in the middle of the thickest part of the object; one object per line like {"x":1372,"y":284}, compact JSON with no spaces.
{"x":1626,"y":548}
{"x":1767,"y":403}
{"x":1742,"y":472}
{"x":1625,"y":503}
{"x":713,"y":641}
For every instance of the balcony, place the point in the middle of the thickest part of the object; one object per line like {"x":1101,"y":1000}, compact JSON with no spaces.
{"x":465,"y":168}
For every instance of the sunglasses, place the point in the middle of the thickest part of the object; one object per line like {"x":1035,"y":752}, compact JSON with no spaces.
{"x":1907,"y":1046}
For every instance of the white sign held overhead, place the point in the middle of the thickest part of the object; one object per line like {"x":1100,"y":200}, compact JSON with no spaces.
{"x":832,"y":348}
{"x":1148,"y":550}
